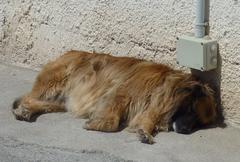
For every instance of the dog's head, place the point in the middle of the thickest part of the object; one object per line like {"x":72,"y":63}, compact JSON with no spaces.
{"x":195,"y":108}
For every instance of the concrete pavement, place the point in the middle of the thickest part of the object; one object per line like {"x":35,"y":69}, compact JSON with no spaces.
{"x":60,"y":137}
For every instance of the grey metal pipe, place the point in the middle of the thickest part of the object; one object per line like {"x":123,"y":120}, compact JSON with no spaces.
{"x":202,"y":18}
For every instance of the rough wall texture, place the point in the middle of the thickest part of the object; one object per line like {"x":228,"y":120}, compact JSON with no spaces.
{"x":33,"y":32}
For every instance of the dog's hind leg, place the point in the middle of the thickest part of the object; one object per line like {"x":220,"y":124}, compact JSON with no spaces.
{"x":47,"y":94}
{"x":27,"y":107}
{"x":106,"y":121}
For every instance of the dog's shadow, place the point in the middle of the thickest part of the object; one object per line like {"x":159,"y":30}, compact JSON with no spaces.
{"x":35,"y":117}
{"x":214,"y":125}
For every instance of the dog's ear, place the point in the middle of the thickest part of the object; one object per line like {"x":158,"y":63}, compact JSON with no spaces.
{"x":198,"y":91}
{"x":181,"y":90}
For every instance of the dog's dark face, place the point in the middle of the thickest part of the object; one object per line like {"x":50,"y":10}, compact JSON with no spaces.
{"x":195,"y":110}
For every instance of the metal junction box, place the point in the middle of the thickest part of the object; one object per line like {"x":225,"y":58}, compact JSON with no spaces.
{"x":197,"y":53}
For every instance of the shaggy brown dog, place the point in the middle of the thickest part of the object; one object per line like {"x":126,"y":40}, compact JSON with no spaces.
{"x":116,"y":92}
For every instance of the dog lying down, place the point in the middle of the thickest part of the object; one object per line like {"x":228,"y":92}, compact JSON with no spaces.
{"x":119,"y":92}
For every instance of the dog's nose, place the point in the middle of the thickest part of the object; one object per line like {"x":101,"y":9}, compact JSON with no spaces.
{"x":181,"y":129}
{"x":184,"y":130}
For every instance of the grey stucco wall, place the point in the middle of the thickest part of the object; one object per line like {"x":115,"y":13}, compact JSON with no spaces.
{"x":33,"y":32}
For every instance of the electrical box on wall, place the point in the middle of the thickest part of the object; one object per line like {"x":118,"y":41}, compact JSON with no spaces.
{"x":197,"y":53}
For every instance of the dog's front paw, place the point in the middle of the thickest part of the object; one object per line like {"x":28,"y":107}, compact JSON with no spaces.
{"x":145,"y":137}
{"x":22,"y":113}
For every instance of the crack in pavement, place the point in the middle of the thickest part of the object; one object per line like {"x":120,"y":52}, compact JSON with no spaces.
{"x":14,"y":150}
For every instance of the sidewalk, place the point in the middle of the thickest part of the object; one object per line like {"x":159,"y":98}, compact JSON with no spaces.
{"x":60,"y":137}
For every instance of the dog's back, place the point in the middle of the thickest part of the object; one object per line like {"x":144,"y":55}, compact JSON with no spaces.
{"x":96,"y":80}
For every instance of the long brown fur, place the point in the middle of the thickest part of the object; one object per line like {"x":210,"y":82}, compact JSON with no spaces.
{"x":112,"y":92}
